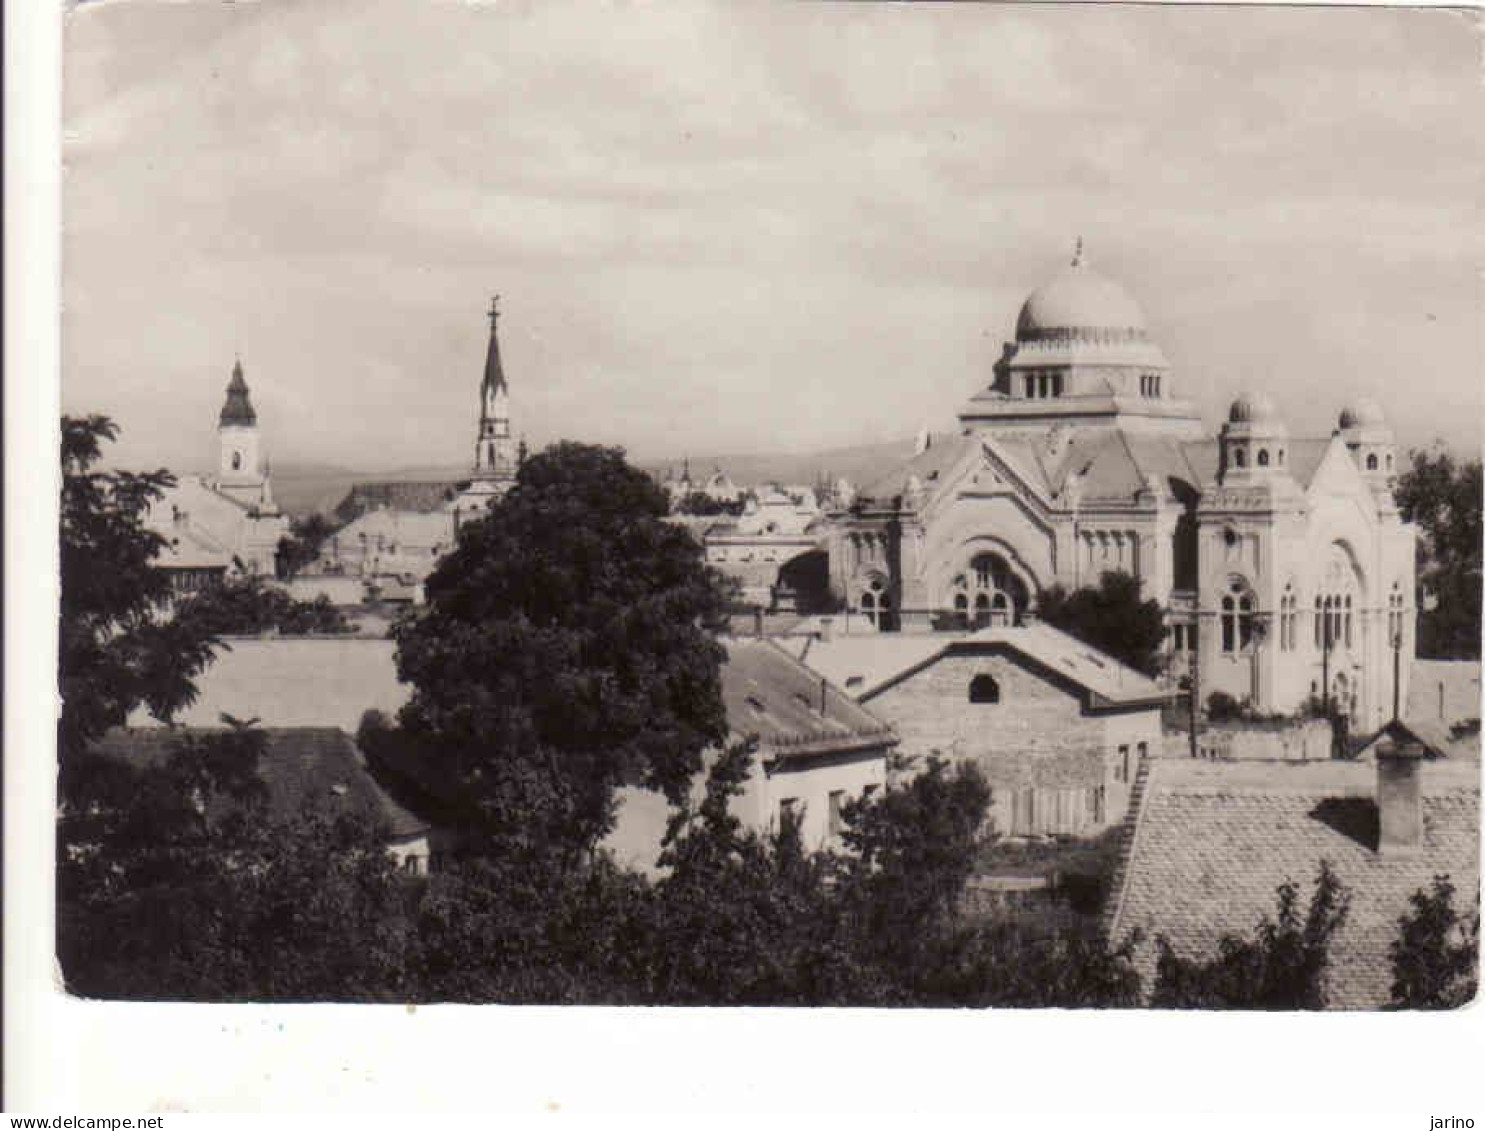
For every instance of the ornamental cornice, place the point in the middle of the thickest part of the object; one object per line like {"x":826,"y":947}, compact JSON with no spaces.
{"x":1099,"y":335}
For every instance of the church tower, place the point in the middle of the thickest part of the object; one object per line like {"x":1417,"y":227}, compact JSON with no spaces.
{"x":242,"y":466}
{"x":495,"y":450}
{"x":497,"y":454}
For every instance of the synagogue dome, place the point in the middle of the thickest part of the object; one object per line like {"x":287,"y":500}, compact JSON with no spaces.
{"x":1079,"y":299}
{"x":1253,"y":408}
{"x":1361,"y":413}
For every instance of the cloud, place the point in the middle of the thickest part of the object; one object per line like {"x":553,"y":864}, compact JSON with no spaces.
{"x":737,"y":227}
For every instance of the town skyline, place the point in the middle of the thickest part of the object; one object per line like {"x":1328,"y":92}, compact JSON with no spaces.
{"x":796,"y":260}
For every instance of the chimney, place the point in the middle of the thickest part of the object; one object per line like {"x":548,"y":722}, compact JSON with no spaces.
{"x":1399,"y":797}
{"x":827,"y":629}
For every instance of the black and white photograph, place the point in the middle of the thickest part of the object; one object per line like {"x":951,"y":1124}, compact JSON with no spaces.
{"x":875,"y":506}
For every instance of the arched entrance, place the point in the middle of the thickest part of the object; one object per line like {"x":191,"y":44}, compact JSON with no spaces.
{"x":803,"y":583}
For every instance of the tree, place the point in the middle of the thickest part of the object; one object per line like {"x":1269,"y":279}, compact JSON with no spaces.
{"x":701,"y":504}
{"x":564,"y":652}
{"x":246,"y":606}
{"x":1444,"y":498}
{"x":301,"y":545}
{"x":1283,"y":966}
{"x":1436,"y":955}
{"x":119,"y":647}
{"x":1111,"y":618}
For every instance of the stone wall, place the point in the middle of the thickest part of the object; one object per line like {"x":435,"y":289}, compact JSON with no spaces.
{"x":1051,"y":766}
{"x":1307,"y":740}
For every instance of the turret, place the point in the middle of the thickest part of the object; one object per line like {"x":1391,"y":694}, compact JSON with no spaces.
{"x":1255,"y":442}
{"x":1364,"y":431}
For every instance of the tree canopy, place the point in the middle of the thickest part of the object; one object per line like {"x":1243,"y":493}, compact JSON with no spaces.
{"x":564,"y":651}
{"x":1443,"y":496}
{"x":1111,"y":617}
{"x":1436,"y":955}
{"x":119,"y":647}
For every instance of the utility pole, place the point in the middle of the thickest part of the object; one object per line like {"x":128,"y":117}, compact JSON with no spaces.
{"x":1397,"y":676}
{"x":1194,"y":695}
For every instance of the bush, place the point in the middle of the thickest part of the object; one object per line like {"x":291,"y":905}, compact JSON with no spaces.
{"x":1222,"y":707}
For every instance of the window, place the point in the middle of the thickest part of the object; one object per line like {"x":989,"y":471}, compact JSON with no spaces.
{"x":1279,"y":457}
{"x":790,"y":811}
{"x":1121,"y":766}
{"x":1371,"y":462}
{"x":1098,"y":805}
{"x":236,"y":461}
{"x":1262,"y":457}
{"x":1288,"y":620}
{"x":1389,"y":461}
{"x":984,"y":689}
{"x":1395,"y":615}
{"x":1238,"y":618}
{"x":1143,"y":750}
{"x":837,"y":799}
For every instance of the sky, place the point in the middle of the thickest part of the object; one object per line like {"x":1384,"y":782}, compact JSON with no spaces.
{"x":750,"y":227}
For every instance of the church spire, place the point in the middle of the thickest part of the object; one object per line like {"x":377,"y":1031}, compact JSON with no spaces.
{"x":238,"y":409}
{"x":494,"y":374}
{"x":495,"y":454}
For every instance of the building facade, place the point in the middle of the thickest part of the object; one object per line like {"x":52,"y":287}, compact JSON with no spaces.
{"x":1058,"y":729}
{"x":1282,"y":562}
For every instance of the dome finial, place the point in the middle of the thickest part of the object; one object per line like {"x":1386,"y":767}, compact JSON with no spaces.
{"x":1077,"y":260}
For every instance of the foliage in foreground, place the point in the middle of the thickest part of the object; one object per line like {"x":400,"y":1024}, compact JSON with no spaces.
{"x":1282,"y":966}
{"x":1436,"y":956}
{"x":189,"y":892}
{"x":248,"y":607}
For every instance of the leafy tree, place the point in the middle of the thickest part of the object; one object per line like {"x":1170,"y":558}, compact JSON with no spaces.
{"x":563,"y":652}
{"x":1443,"y":497}
{"x":1436,"y":955}
{"x":246,"y":606}
{"x":1282,"y":966}
{"x":701,"y":504}
{"x":118,"y":645}
{"x":1111,"y":618}
{"x":301,"y":545}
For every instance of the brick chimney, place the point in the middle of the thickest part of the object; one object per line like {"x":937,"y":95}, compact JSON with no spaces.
{"x":1399,"y":797}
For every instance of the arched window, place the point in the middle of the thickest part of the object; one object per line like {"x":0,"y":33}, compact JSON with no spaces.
{"x":999,"y":595}
{"x":1389,"y":461}
{"x":984,"y":689}
{"x":1279,"y":457}
{"x":1239,"y":457}
{"x":1348,"y":620}
{"x":1395,"y":615}
{"x":236,"y":461}
{"x":1371,"y":462}
{"x":1262,"y":457}
{"x":1238,"y":617}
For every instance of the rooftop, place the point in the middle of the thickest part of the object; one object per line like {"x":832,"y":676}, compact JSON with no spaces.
{"x":868,"y":663}
{"x":792,"y":710}
{"x":299,"y":765}
{"x":1213,"y":842}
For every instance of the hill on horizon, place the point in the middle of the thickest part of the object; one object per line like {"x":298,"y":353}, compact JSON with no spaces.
{"x":305,"y":488}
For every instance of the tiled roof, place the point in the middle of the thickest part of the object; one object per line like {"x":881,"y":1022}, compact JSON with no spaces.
{"x":792,"y":710}
{"x":405,"y":527}
{"x":865,"y":664}
{"x":941,"y":454}
{"x":1213,"y":842}
{"x":397,"y":496}
{"x":299,"y":765}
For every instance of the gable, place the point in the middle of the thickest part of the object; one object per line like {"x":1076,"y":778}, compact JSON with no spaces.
{"x":1336,"y":476}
